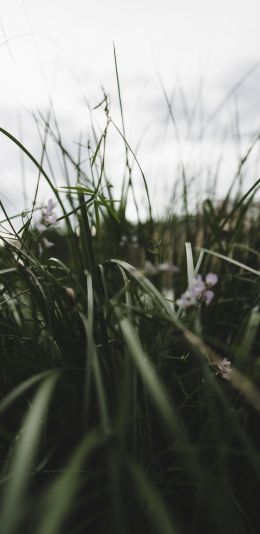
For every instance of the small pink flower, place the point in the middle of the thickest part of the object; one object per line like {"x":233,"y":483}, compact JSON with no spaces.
{"x":49,"y":215}
{"x":187,"y":300}
{"x":207,"y":296}
{"x":198,"y":287}
{"x":211,"y":279}
{"x":49,"y":207}
{"x":224,"y":366}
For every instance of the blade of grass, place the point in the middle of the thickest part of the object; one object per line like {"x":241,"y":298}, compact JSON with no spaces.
{"x":230,"y":260}
{"x":155,"y":508}
{"x":190,"y":264}
{"x":19,"y":390}
{"x":25,"y":454}
{"x":60,"y":496}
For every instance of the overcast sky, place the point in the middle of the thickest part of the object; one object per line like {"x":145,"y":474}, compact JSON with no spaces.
{"x":201,"y":50}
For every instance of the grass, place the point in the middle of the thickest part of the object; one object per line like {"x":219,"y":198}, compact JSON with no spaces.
{"x":115,"y":414}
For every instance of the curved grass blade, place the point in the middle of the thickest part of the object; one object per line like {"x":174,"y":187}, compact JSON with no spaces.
{"x":41,"y":170}
{"x":59,"y":498}
{"x":140,"y":168}
{"x":39,"y":167}
{"x":243,"y":384}
{"x":146,"y":285}
{"x":148,"y":373}
{"x":228,"y":259}
{"x":13,"y":502}
{"x":148,"y":495}
{"x":19,"y":390}
{"x":159,"y":395}
{"x":245,"y":343}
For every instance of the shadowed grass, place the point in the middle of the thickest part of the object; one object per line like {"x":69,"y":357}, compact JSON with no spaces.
{"x":143,"y":425}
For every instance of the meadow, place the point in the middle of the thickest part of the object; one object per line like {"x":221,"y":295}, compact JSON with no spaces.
{"x":130,"y":368}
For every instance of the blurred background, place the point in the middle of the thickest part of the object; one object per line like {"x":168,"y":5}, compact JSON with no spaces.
{"x":189,"y":77}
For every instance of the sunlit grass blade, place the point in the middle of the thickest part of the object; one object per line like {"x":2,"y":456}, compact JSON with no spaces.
{"x":92,"y":364}
{"x":190,"y":264}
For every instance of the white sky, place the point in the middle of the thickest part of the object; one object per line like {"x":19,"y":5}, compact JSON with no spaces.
{"x":64,"y":49}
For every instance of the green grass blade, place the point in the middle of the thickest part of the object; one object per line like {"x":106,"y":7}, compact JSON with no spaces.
{"x":245,"y":343}
{"x":155,"y":508}
{"x":231,"y":260}
{"x":23,"y":463}
{"x":190,"y":264}
{"x":158,"y":393}
{"x":17,"y":392}
{"x":59,"y":498}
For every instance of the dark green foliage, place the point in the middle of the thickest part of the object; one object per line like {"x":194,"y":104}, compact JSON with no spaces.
{"x":115,"y":416}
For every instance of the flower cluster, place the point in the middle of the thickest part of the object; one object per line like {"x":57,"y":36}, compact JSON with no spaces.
{"x":199,"y":291}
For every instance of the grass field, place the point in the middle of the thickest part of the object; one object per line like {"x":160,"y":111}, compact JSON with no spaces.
{"x":130,"y":368}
